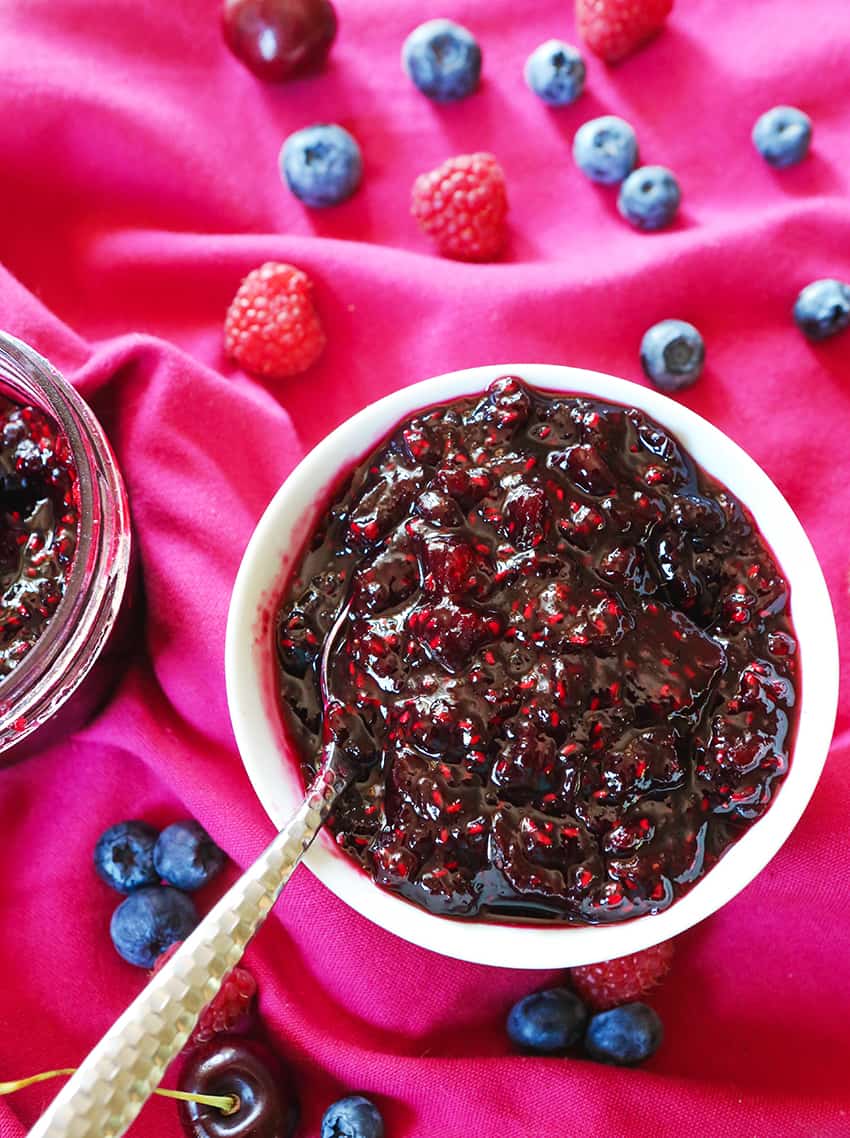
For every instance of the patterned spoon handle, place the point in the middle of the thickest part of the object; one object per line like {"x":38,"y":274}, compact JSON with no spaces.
{"x":110,"y":1088}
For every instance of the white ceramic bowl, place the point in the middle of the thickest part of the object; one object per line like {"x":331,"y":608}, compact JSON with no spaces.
{"x":273,"y":769}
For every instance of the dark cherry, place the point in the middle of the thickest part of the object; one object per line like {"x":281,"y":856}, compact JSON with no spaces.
{"x":278,"y":39}
{"x":250,"y":1070}
{"x":568,"y":668}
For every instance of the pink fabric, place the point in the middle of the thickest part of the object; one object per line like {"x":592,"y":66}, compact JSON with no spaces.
{"x":139,"y":185}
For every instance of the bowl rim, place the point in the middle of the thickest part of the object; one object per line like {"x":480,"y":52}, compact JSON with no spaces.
{"x":272,"y":769}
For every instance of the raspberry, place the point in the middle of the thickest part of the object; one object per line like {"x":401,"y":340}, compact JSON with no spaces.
{"x":234,"y":1001}
{"x":614,"y":29}
{"x":272,"y":328}
{"x":620,"y":981}
{"x":463,"y":205}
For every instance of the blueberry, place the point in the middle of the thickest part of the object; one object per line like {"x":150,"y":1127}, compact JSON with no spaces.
{"x":624,"y":1036}
{"x":123,"y":856}
{"x":322,"y":165}
{"x":186,"y":856}
{"x":547,"y":1022}
{"x":605,"y":149}
{"x":443,"y":59}
{"x":353,"y":1117}
{"x":823,"y":308}
{"x":782,"y":136}
{"x":672,"y":353}
{"x":555,"y":72}
{"x":149,"y":921}
{"x":649,"y":197}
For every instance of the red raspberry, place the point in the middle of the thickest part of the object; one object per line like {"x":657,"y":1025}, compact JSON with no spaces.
{"x":272,"y":328}
{"x":463,"y":205}
{"x":622,"y":980}
{"x":234,"y":1000}
{"x":614,"y":29}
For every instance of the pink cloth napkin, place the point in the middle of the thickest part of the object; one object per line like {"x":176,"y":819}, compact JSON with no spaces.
{"x":139,"y":185}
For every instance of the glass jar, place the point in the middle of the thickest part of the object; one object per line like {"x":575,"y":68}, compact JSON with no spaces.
{"x":67,"y":673}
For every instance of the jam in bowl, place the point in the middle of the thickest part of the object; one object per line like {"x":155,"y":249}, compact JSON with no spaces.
{"x":568,"y":660}
{"x":569,"y":648}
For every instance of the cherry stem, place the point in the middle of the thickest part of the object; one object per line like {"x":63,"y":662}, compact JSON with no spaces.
{"x":227,"y":1104}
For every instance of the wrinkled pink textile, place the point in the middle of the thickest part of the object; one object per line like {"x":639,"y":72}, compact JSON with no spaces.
{"x":138,"y":186}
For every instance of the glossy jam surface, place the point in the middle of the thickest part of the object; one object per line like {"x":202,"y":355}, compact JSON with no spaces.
{"x":39,"y":519}
{"x":567,"y":656}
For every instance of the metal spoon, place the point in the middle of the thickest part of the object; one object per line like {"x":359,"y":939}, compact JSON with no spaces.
{"x":120,"y":1073}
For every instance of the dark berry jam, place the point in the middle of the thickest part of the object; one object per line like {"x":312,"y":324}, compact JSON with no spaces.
{"x":567,"y":664}
{"x":38,"y":526}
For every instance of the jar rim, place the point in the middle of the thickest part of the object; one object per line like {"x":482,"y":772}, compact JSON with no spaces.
{"x":71,"y":641}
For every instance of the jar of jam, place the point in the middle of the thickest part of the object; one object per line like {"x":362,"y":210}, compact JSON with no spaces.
{"x":66,"y":552}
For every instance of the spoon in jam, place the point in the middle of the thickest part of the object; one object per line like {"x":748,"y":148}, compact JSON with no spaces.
{"x":121,"y":1072}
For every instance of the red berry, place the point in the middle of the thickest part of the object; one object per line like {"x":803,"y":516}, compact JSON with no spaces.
{"x":277,"y":39}
{"x":463,"y":205}
{"x":272,"y":328}
{"x":452,"y":632}
{"x":230,"y":1007}
{"x":451,"y":565}
{"x":620,"y":981}
{"x":614,"y":29}
{"x":525,"y":507}
{"x":253,"y":1074}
